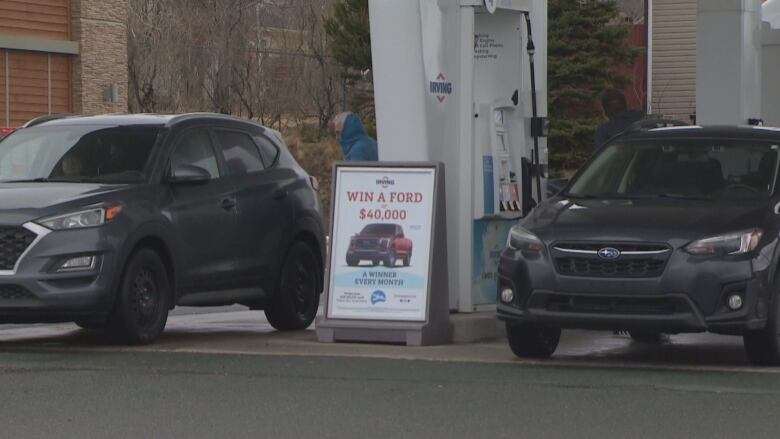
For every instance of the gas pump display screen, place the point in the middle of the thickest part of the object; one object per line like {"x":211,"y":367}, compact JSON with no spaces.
{"x":381,"y":243}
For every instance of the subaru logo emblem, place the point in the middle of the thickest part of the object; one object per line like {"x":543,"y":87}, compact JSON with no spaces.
{"x":609,"y":253}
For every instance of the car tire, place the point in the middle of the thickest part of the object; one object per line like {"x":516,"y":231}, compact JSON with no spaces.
{"x":406,"y":261}
{"x":763,"y":346}
{"x":352,"y":262}
{"x":297,"y":297}
{"x":390,"y":260}
{"x":529,"y":341}
{"x":647,"y":336}
{"x":144,"y":299}
{"x":375,"y":262}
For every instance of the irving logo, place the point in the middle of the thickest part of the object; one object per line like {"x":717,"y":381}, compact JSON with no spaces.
{"x":441,"y":88}
{"x":385,"y":182}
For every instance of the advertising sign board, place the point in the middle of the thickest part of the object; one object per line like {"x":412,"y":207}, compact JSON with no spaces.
{"x":381,"y":243}
{"x":383,"y":239}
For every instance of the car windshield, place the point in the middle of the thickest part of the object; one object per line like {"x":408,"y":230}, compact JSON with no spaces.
{"x":78,"y":154}
{"x":684,"y":168}
{"x":379,"y":229}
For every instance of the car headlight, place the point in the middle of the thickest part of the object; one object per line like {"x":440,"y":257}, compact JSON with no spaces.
{"x":523,"y":240}
{"x":81,"y":219}
{"x":737,"y":243}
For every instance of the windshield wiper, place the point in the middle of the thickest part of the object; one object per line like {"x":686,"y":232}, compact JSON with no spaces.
{"x":616,"y":196}
{"x":586,"y":197}
{"x":679,"y":196}
{"x":609,"y":196}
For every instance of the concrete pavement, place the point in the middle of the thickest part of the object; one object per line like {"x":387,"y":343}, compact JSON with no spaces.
{"x":247,"y":333}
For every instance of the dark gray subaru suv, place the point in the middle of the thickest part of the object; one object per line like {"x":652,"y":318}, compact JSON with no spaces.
{"x":663,"y":231}
{"x":111,"y":221}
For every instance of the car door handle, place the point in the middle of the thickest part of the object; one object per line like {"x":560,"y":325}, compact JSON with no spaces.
{"x":227,"y":203}
{"x":280,"y":194}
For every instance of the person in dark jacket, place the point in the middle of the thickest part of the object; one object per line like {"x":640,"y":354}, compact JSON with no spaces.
{"x":615,"y":107}
{"x":355,"y":142}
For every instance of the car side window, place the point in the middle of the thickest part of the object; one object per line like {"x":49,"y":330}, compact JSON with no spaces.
{"x":241,"y":154}
{"x":195,"y":149}
{"x":268,"y":150}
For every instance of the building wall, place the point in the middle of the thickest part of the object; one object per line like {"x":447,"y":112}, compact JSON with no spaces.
{"x":62,"y":56}
{"x":35,"y":79}
{"x":674,"y":58}
{"x":636,"y":90}
{"x":37,"y":83}
{"x":35,"y":18}
{"x":100,"y":27}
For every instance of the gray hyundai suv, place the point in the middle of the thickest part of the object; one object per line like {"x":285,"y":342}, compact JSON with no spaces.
{"x":111,"y":221}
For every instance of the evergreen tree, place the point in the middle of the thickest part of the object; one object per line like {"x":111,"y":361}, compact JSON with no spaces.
{"x":585,"y":45}
{"x":349,"y":35}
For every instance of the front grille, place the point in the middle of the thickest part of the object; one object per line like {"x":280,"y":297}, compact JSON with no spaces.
{"x":636,"y":260}
{"x":13,"y":242}
{"x":13,"y":292}
{"x":591,"y":267}
{"x":368,"y":243}
{"x":622,"y":247}
{"x":614,"y":305}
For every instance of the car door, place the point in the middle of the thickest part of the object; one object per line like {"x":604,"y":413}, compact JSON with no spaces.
{"x":204,"y":215}
{"x":265,"y":215}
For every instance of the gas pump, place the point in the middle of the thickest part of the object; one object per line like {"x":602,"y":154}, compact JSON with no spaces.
{"x":497,"y":164}
{"x":453,"y":83}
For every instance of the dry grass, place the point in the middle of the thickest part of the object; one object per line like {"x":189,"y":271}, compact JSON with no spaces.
{"x":317,"y":158}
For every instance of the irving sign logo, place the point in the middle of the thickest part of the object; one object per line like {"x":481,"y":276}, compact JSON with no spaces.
{"x":441,"y":88}
{"x":385,"y":182}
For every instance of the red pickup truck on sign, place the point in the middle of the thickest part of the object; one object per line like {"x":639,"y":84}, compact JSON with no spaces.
{"x":377,"y":243}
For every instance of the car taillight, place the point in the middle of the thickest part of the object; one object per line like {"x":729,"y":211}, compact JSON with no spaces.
{"x":6,"y":131}
{"x":315,"y":184}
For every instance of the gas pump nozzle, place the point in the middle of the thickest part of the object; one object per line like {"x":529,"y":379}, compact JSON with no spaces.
{"x":531,"y":48}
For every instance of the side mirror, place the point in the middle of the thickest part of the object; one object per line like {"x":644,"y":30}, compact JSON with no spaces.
{"x":189,"y":174}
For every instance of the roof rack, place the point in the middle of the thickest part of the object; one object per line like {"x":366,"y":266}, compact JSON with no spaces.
{"x":646,"y":125}
{"x":47,"y":118}
{"x":651,"y":124}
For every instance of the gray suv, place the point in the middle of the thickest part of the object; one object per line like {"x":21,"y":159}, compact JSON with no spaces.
{"x":111,"y":221}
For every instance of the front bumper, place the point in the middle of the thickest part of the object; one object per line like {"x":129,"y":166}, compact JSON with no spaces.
{"x":368,"y":254}
{"x":690,"y":295}
{"x":34,"y":291}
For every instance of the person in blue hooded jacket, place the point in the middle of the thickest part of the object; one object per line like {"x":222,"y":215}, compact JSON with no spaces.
{"x":355,"y":142}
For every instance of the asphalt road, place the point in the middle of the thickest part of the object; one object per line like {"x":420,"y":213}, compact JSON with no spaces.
{"x":229,"y":375}
{"x":204,"y":396}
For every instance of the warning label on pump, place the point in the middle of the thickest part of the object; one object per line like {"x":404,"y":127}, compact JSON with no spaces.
{"x":486,"y":46}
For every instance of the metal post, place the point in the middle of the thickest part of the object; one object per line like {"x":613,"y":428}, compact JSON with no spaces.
{"x":534,"y":108}
{"x":49,"y":81}
{"x":7,"y":91}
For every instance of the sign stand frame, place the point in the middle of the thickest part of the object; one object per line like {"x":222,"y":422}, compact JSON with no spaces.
{"x":437,"y":328}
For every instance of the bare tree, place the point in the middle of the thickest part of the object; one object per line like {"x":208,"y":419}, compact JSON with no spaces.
{"x":260,"y":59}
